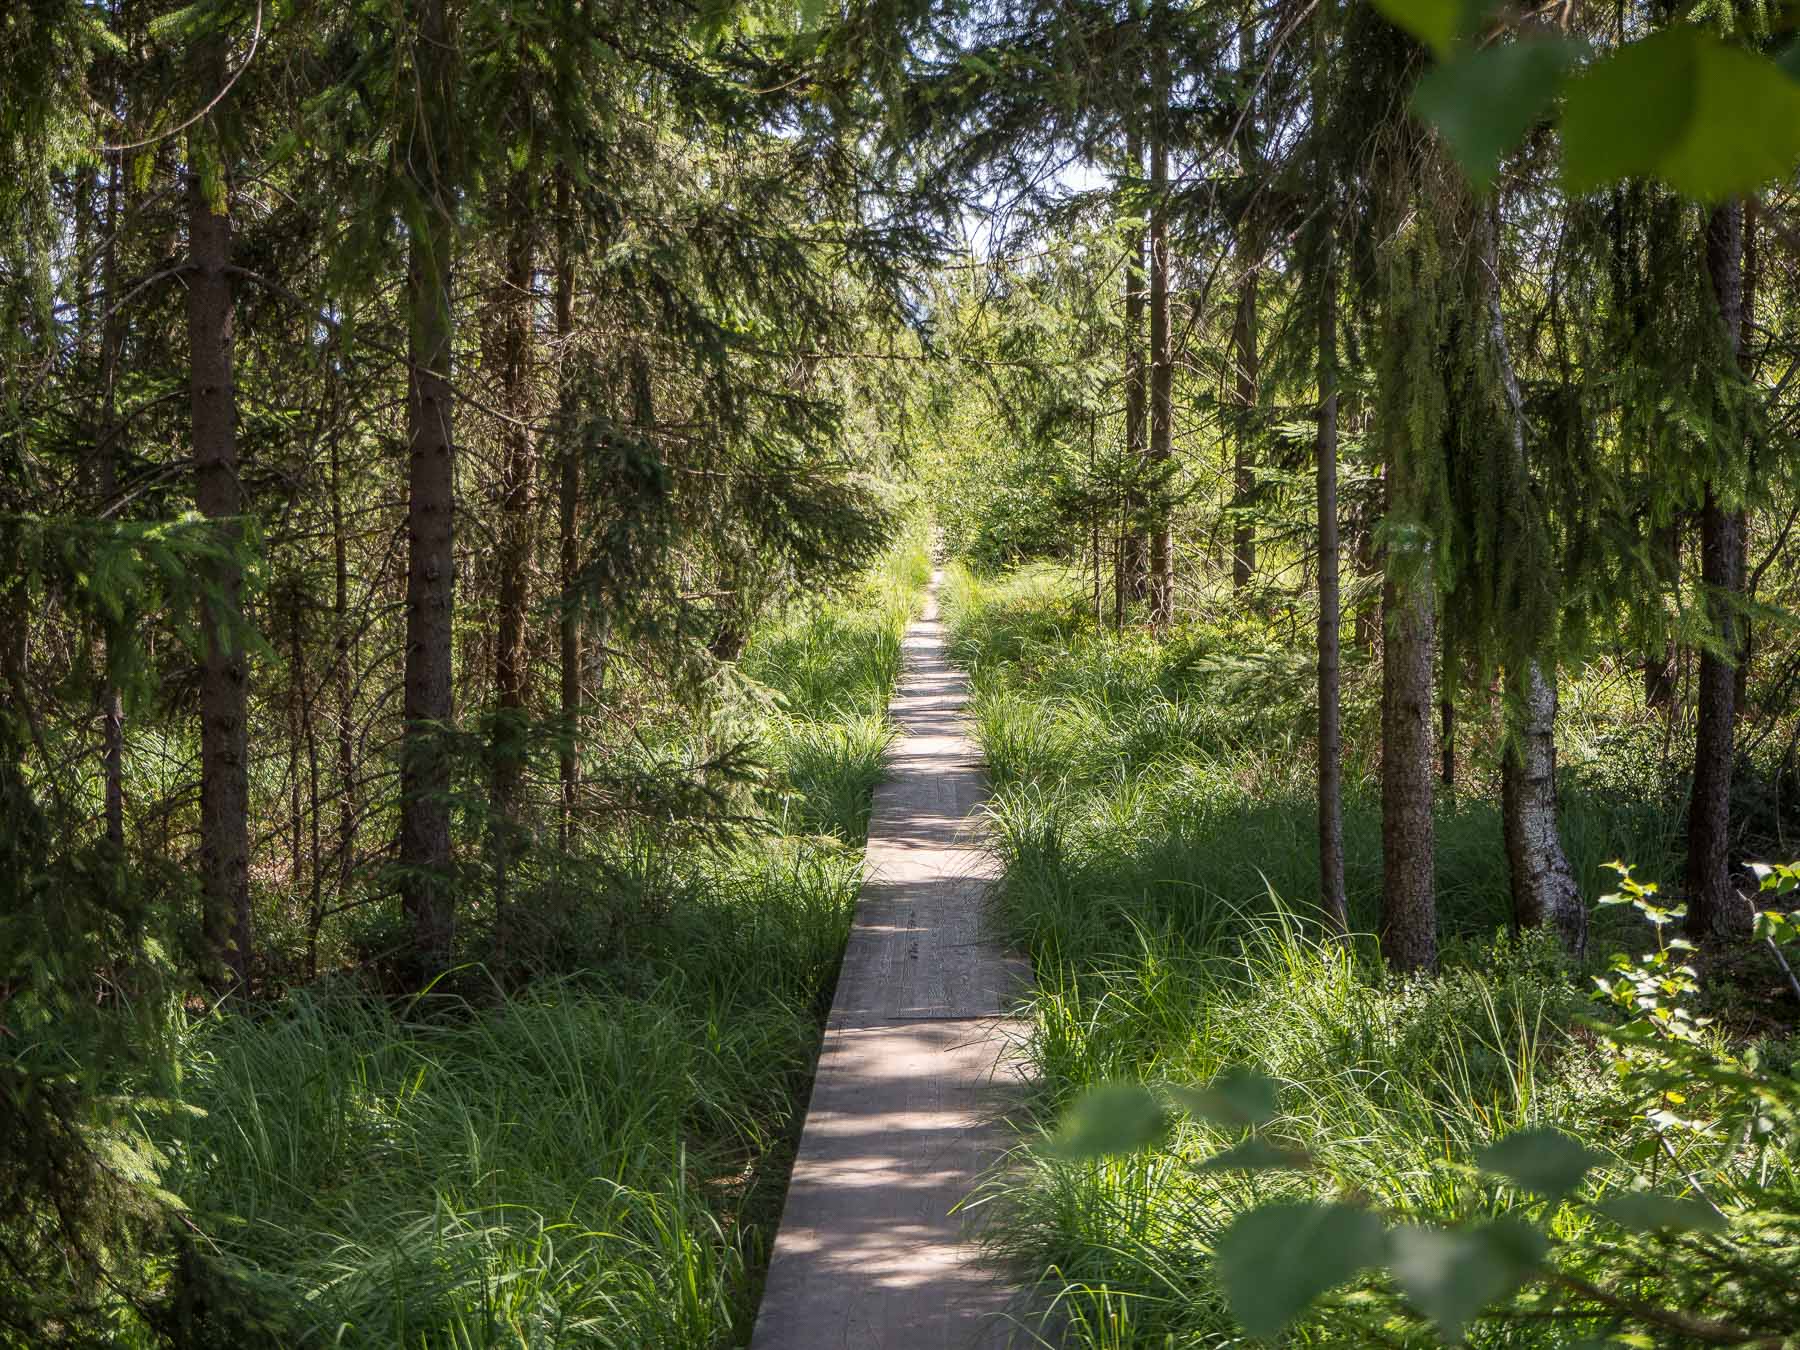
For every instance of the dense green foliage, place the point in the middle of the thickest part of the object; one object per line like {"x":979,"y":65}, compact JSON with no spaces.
{"x":407,"y":415}
{"x":1165,"y":781}
{"x":598,"y":1160}
{"x":1156,"y":827}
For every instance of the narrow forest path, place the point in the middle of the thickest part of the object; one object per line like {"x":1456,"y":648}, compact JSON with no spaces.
{"x":914,"y":1064}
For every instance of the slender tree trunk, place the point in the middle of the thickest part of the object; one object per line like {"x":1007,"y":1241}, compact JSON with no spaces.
{"x":343,"y":645}
{"x":517,"y":471}
{"x":426,"y":887}
{"x":1740,"y":678}
{"x":1746,"y":333}
{"x":1446,"y":731}
{"x":1408,"y":698}
{"x":309,"y":736}
{"x":296,"y":739}
{"x":1660,"y":671}
{"x":1332,"y":898}
{"x":1713,"y":908}
{"x":568,"y":622}
{"x":1094,"y":533}
{"x":316,"y":900}
{"x":1162,"y":360}
{"x":106,"y":483}
{"x":1243,"y":479}
{"x":1368,"y":564}
{"x":1544,"y":889}
{"x":1244,"y":341}
{"x":218,"y":493}
{"x":1133,"y":553}
{"x":1408,"y":901}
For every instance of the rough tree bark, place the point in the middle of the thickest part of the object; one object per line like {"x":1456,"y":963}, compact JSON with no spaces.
{"x":1408,"y":899}
{"x":517,"y":472}
{"x":1713,"y":908}
{"x":218,"y":493}
{"x":429,"y":710}
{"x":1544,"y":890}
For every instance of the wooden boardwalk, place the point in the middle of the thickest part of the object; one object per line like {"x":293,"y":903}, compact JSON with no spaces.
{"x":915,"y":1064}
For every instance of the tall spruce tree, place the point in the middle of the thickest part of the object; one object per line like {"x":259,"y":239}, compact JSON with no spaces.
{"x":1162,"y":350}
{"x":1323,"y":277}
{"x":428,"y":149}
{"x":219,"y":494}
{"x":1714,"y":909}
{"x":1246,"y":358}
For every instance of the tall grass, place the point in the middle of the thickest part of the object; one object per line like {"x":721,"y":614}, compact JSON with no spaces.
{"x":1154,"y":809}
{"x":599,"y":1161}
{"x":829,"y":668}
{"x":573,"y":1166}
{"x":1170,"y":778}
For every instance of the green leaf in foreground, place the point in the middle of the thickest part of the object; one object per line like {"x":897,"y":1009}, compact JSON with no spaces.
{"x":1112,"y":1118}
{"x":1544,"y":1160}
{"x":1451,"y":1275}
{"x":1708,"y":119}
{"x":1275,"y":1260}
{"x":1237,"y":1097}
{"x":1439,"y":24}
{"x":1484,"y":102}
{"x":1649,"y":1212}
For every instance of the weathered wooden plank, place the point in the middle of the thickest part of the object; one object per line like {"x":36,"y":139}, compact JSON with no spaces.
{"x":918,"y":1060}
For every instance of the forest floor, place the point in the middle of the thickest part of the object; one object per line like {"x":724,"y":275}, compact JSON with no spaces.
{"x":1155,"y":815}
{"x":599,"y":1160}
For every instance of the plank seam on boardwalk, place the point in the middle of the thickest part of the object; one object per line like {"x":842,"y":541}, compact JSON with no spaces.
{"x":918,"y":1058}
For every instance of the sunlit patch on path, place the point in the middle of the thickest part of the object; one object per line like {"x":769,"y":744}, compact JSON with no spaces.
{"x":914,"y":1067}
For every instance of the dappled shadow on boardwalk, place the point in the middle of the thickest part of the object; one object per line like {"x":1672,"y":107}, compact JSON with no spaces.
{"x":903,"y":1122}
{"x":917,"y":1065}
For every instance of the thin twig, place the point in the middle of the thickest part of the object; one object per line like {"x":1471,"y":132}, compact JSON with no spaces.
{"x":255,"y":42}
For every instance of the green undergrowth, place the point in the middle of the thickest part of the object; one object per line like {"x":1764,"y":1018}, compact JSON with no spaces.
{"x":1154,"y":809}
{"x":1170,"y":785}
{"x":600,"y":1159}
{"x":827,"y":670}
